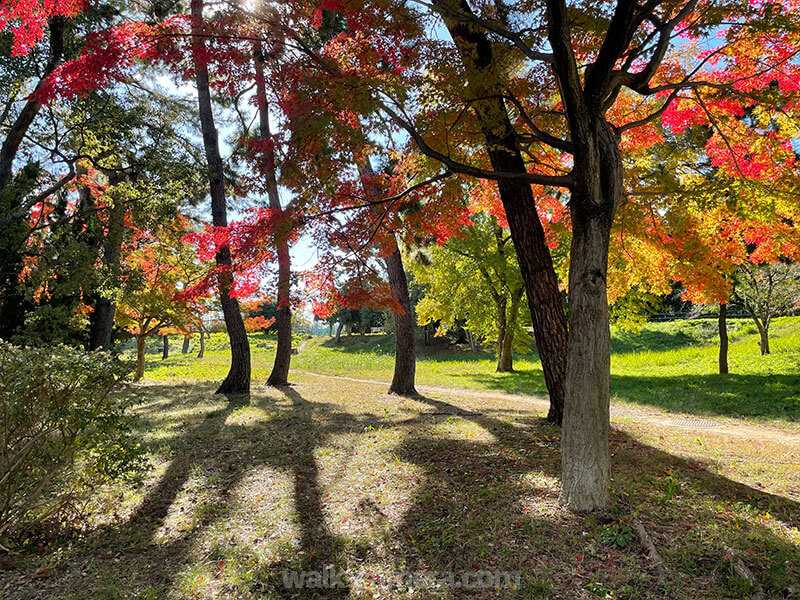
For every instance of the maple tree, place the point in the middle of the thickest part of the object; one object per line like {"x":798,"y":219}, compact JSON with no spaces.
{"x":160,"y":267}
{"x":701,"y":222}
{"x":473,"y":278}
{"x":283,"y":230}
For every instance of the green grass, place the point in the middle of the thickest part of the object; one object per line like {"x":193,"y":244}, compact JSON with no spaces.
{"x":671,"y":366}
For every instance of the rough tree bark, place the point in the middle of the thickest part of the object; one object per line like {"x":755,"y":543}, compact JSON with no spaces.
{"x":238,"y":378}
{"x":586,"y":459}
{"x":722,"y":326}
{"x":536,"y":264}
{"x":283,"y":351}
{"x":13,"y":302}
{"x":595,"y":196}
{"x":185,"y":347}
{"x":165,"y":348}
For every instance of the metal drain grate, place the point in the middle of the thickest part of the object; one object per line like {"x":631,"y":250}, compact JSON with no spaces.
{"x":693,"y":423}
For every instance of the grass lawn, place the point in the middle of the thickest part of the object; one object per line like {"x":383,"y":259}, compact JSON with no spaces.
{"x":671,"y":366}
{"x":332,"y":472}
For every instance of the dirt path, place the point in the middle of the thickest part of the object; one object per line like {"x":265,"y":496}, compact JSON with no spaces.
{"x":622,"y":413}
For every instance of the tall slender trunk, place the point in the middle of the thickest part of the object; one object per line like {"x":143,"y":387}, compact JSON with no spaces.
{"x":202,"y":351}
{"x":14,"y":229}
{"x":238,"y":378}
{"x":101,"y":322}
{"x":165,"y":349}
{"x":535,"y":261}
{"x":140,"y":340}
{"x":722,"y":326}
{"x":339,"y":331}
{"x":185,"y":347}
{"x":405,"y":355}
{"x":283,"y":350}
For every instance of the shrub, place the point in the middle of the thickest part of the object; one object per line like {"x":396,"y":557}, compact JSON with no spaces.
{"x":62,"y":433}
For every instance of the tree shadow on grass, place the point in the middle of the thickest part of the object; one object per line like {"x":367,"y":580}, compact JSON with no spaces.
{"x":492,"y":505}
{"x":163,"y":538}
{"x":484,"y":503}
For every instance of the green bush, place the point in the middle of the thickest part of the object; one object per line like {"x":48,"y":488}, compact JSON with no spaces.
{"x":62,"y":433}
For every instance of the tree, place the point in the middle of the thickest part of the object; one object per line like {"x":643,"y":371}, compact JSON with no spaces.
{"x":405,"y":353}
{"x":16,"y":189}
{"x":765,"y":290}
{"x":283,"y":352}
{"x":161,"y":267}
{"x":473,"y":278}
{"x":238,"y":379}
{"x":722,"y":327}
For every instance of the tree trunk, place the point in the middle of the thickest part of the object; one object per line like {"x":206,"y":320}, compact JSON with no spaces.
{"x":585,"y":453}
{"x":505,"y":362}
{"x":473,"y":343}
{"x":339,"y":330}
{"x":186,"y":341}
{"x":165,"y":350}
{"x":101,"y":320}
{"x":535,"y":261}
{"x":763,"y":332}
{"x":722,"y":325}
{"x":283,"y":350}
{"x":405,"y":357}
{"x":238,"y":378}
{"x":202,"y":343}
{"x":140,"y":340}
